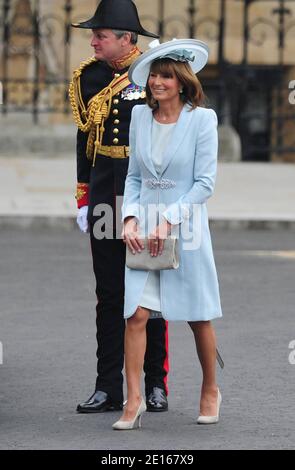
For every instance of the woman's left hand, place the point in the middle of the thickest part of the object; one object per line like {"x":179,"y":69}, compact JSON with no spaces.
{"x":157,"y":238}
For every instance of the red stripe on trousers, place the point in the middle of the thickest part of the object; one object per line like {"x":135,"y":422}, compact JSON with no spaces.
{"x":166,"y":362}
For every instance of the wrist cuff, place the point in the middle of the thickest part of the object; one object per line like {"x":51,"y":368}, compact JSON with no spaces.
{"x":82,"y":195}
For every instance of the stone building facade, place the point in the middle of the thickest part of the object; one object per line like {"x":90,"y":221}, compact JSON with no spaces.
{"x":251,"y":64}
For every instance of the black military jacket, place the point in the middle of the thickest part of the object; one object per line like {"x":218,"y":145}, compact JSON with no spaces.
{"x":107,"y":178}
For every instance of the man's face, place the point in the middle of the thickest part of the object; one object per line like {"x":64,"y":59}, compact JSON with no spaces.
{"x":106,"y":45}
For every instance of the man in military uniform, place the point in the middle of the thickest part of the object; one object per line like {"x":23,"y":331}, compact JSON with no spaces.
{"x":102,"y":99}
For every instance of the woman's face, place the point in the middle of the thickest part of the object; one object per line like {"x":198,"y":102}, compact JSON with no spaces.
{"x":164,"y":87}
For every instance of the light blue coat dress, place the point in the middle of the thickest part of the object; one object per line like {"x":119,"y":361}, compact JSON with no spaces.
{"x":180,"y":192}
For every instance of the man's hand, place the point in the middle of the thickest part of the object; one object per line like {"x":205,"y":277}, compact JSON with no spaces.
{"x":130,"y":235}
{"x":82,"y":219}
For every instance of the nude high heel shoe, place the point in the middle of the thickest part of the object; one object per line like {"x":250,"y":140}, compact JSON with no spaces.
{"x":135,"y":423}
{"x":211,"y":419}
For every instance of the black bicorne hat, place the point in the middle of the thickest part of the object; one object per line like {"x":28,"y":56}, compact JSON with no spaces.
{"x":116,"y":14}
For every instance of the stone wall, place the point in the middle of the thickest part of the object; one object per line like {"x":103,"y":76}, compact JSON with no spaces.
{"x":52,"y":51}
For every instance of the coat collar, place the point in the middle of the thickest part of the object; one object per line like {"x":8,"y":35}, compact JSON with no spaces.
{"x":178,"y":135}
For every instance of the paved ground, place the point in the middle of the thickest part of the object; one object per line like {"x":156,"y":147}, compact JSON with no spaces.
{"x":41,"y":191}
{"x":47,"y":331}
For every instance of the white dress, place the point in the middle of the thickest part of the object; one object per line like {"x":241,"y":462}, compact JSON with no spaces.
{"x":151,"y":298}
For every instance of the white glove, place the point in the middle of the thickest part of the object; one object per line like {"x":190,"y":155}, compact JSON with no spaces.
{"x":82,"y":219}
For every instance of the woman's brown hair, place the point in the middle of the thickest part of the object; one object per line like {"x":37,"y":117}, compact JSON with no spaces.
{"x":192,"y":89}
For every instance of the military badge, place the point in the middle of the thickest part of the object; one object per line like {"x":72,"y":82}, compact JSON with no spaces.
{"x":133,"y":92}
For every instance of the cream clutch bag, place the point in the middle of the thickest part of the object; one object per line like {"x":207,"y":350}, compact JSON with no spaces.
{"x":169,"y":259}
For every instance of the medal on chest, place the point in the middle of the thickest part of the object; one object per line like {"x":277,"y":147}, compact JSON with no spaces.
{"x":133,"y":92}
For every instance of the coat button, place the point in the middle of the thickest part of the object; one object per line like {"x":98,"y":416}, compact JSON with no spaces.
{"x":116,"y":131}
{"x":116,"y":141}
{"x":116,"y":121}
{"x":116,"y":101}
{"x":117,"y":75}
{"x":115,"y":111}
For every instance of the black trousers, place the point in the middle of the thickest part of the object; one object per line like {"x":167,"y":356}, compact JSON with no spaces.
{"x":109,"y":269}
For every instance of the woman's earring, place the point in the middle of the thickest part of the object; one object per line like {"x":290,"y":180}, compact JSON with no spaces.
{"x":181,"y":90}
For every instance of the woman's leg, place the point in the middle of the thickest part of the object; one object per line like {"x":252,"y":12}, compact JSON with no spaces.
{"x":206,"y":348}
{"x":135,"y":346}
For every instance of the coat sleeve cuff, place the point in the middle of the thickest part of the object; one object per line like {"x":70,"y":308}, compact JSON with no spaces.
{"x":177,"y":213}
{"x":132,"y":210}
{"x":82,"y":195}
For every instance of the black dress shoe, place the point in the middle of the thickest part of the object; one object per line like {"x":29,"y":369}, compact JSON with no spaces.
{"x":99,"y":402}
{"x":156,"y":400}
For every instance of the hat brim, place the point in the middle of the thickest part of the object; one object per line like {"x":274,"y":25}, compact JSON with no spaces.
{"x":140,"y":69}
{"x":93,"y":24}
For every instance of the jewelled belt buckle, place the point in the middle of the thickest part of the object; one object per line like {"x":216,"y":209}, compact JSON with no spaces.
{"x":153,"y":183}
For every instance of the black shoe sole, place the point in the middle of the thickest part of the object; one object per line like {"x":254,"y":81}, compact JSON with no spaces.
{"x":104,"y":409}
{"x":156,"y":410}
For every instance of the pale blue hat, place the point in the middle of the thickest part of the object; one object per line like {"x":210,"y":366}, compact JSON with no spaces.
{"x":192,"y":51}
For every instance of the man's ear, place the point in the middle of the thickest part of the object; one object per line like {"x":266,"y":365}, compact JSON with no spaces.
{"x":126,"y":39}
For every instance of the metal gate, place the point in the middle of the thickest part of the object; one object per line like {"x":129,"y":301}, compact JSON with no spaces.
{"x":252,"y":98}
{"x":29,"y":35}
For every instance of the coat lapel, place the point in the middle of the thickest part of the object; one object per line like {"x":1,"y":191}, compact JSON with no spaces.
{"x":145,"y":143}
{"x":178,"y":134}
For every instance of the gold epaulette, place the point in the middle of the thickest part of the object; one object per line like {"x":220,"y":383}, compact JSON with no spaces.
{"x":78,"y":107}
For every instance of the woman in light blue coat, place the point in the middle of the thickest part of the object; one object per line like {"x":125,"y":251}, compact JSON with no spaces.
{"x":172,"y":168}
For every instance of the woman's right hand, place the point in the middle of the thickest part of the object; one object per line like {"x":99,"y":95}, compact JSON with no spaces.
{"x":130,"y":235}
